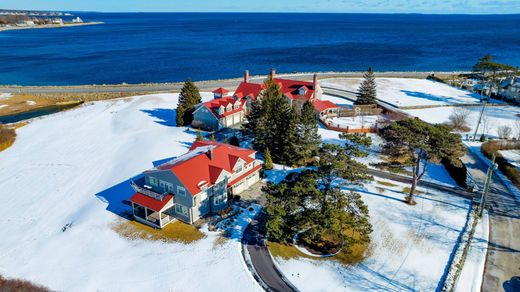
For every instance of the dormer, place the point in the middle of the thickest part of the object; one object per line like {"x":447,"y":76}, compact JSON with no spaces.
{"x":221,"y":110}
{"x":302,"y":90}
{"x":236,"y":105}
{"x":229,"y":107}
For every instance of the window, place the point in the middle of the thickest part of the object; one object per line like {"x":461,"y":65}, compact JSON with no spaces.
{"x":181,"y":191}
{"x":183,"y":210}
{"x":220,"y":199}
{"x":153,"y":181}
{"x":239,"y":169}
{"x":171,"y":189}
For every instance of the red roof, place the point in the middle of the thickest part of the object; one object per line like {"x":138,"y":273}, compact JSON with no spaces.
{"x":290,"y":88}
{"x":221,"y":91}
{"x":215,"y":104}
{"x":321,"y":105}
{"x":246,"y":89}
{"x":205,"y":162}
{"x":150,"y":202}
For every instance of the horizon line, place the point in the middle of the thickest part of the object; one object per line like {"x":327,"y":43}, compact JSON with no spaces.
{"x":266,"y":12}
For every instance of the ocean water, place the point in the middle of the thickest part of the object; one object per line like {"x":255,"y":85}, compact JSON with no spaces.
{"x":166,"y":47}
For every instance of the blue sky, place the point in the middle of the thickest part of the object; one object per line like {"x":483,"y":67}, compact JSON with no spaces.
{"x":374,"y":6}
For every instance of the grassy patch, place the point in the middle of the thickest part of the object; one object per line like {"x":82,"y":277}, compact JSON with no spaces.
{"x":173,"y":232}
{"x":7,"y":137}
{"x":20,"y":285}
{"x":286,"y":251}
{"x":385,"y":183}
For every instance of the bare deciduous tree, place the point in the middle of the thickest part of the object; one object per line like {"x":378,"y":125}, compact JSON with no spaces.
{"x":504,"y":132}
{"x":517,"y":129}
{"x":459,"y":119}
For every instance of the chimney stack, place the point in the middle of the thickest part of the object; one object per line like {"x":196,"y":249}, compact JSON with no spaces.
{"x":315,"y":81}
{"x":246,"y":76}
{"x":273,"y":73}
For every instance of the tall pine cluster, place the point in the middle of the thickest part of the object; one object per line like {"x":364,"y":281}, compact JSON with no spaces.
{"x":275,"y":125}
{"x":188,"y":98}
{"x":367,"y":90}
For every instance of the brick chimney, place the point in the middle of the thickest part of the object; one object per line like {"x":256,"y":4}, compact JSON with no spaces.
{"x":315,"y":81}
{"x":273,"y":73}
{"x":246,"y":76}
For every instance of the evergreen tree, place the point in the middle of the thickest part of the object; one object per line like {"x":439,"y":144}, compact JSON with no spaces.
{"x":309,"y":139}
{"x":268,"y":160}
{"x":188,"y":98}
{"x":234,"y":141}
{"x":367,"y":90}
{"x":420,"y":143}
{"x":273,"y":122}
{"x":199,"y":135}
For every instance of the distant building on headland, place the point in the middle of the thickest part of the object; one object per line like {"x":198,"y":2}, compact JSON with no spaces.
{"x":510,"y":88}
{"x":77,"y":20}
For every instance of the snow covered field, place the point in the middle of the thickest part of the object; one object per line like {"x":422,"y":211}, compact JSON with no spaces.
{"x":405,"y":92}
{"x":73,"y":168}
{"x":410,"y":248}
{"x":355,"y":122}
{"x":337,"y":100}
{"x":513,"y":156}
{"x":495,"y":116}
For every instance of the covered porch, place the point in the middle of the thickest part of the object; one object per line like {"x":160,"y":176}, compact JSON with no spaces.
{"x":153,"y":212}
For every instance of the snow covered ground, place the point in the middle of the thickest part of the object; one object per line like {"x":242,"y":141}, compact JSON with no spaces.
{"x":3,"y":105}
{"x":513,"y":156}
{"x":355,"y":122}
{"x":337,"y":100}
{"x":404,"y":92}
{"x":73,"y":168}
{"x":4,"y":95}
{"x":495,"y":116}
{"x":31,"y":102}
{"x":410,"y":249}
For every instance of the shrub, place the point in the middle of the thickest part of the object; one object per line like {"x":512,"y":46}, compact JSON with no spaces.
{"x":16,"y":285}
{"x":458,"y":173}
{"x":7,"y":137}
{"x":492,"y":147}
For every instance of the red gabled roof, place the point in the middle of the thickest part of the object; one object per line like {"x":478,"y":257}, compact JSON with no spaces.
{"x":231,"y":183}
{"x":221,"y":91}
{"x":150,"y":202}
{"x":246,"y":89}
{"x":214,"y":105}
{"x":290,"y":88}
{"x":321,"y":105}
{"x":205,"y":162}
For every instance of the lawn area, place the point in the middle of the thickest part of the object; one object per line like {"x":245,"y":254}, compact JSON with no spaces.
{"x":174,"y":232}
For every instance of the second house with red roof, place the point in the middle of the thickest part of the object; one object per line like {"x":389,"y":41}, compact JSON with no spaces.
{"x":226,"y":111}
{"x":195,"y":184}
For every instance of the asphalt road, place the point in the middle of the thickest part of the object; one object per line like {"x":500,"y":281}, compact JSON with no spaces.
{"x":254,"y":241}
{"x":502,"y":269}
{"x":203,"y":85}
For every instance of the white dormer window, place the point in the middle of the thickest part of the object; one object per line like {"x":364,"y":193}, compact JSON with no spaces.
{"x":229,"y":107}
{"x":221,"y":110}
{"x":302,"y":90}
{"x":237,"y":105}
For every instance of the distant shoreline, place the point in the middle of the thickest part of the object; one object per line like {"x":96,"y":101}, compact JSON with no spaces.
{"x":49,"y":26}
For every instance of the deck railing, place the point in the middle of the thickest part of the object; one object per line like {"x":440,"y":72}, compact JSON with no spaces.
{"x":148,"y":192}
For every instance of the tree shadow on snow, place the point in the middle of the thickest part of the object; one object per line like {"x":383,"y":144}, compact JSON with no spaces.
{"x":431,"y":97}
{"x":165,"y":117}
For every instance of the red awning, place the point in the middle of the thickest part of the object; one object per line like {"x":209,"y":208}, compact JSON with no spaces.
{"x":150,"y":202}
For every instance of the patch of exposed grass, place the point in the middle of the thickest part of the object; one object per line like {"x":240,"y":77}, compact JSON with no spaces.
{"x":16,"y":285}
{"x":286,"y":251}
{"x":385,"y":183}
{"x":221,"y":240}
{"x":7,"y":137}
{"x":173,"y":232}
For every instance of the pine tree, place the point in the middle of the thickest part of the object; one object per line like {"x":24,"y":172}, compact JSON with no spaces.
{"x":212,"y":138}
{"x":273,"y":122}
{"x":309,"y":139}
{"x":199,"y":136}
{"x":234,"y":141}
{"x":188,"y":98}
{"x":268,"y":160}
{"x":367,"y":90}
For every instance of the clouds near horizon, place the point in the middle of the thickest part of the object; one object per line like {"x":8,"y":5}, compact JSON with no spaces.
{"x":367,"y":6}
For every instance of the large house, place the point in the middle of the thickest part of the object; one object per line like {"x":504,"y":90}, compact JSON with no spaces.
{"x":228,"y":111}
{"x":510,"y":88}
{"x":194,"y":184}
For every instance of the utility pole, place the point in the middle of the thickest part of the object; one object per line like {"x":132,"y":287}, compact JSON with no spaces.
{"x":479,"y":119}
{"x":485,"y":191}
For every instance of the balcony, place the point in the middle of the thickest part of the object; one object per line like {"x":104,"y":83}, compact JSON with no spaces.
{"x":147,"y":192}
